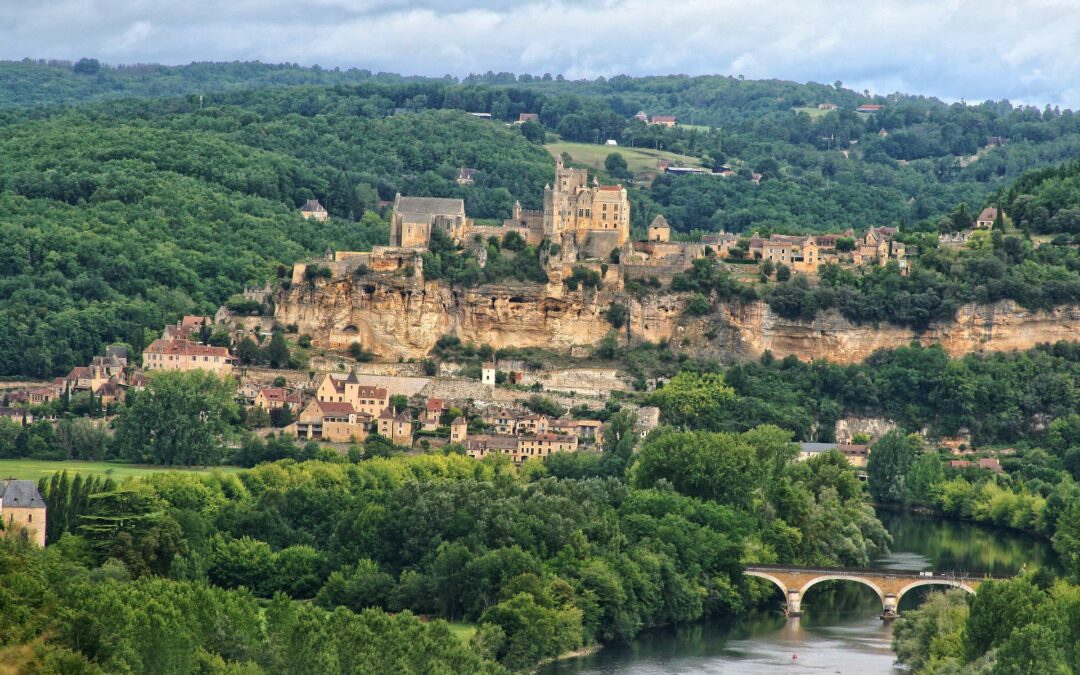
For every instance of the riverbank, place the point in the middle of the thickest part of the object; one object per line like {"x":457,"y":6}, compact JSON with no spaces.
{"x":580,"y":652}
{"x":840,"y":630}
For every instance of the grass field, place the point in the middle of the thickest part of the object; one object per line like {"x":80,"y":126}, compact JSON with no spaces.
{"x":464,"y":631}
{"x":32,"y":469}
{"x":637,"y":159}
{"x":812,"y":111}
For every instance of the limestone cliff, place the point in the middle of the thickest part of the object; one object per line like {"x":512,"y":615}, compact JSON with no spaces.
{"x":397,"y":316}
{"x":1000,"y":326}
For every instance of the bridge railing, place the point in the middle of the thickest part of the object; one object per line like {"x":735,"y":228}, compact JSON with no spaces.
{"x":880,"y":572}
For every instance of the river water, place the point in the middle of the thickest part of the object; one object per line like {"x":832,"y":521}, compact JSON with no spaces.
{"x":839,"y":632}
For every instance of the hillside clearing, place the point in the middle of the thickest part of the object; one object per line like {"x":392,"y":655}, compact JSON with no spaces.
{"x":637,"y":159}
{"x":32,"y":469}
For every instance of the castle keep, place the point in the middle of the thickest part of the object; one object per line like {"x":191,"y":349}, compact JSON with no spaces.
{"x":596,"y":216}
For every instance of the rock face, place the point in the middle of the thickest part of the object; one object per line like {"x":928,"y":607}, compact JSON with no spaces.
{"x":395,"y":316}
{"x":1002,"y":326}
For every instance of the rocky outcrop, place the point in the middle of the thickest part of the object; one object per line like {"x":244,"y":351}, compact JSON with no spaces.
{"x":403,"y":317}
{"x":398,"y":317}
{"x":1001,"y":326}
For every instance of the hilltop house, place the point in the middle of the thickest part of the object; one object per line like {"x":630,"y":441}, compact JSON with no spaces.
{"x":274,"y":398}
{"x":520,"y":448}
{"x":398,"y":427}
{"x":986,"y":218}
{"x":366,"y":399}
{"x":313,"y":209}
{"x":331,"y":421}
{"x":663,"y":120}
{"x":23,"y":510}
{"x":187,"y":355}
{"x":466,"y":176}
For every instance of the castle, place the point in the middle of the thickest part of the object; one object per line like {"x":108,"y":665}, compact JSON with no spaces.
{"x":596,"y":216}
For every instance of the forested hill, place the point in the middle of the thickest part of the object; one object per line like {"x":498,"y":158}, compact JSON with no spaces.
{"x":113,"y":224}
{"x":29,"y":83}
{"x":118,"y":215}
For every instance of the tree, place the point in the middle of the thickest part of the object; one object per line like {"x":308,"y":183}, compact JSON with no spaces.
{"x":999,"y":608}
{"x":887,"y":470}
{"x":247,"y":351}
{"x":86,"y":66}
{"x":181,"y":418}
{"x":1067,"y":539}
{"x":783,"y":272}
{"x":719,"y":466}
{"x":925,"y":475}
{"x":399,"y":402}
{"x":277,"y":352}
{"x":616,"y":166}
{"x":694,"y":400}
{"x":357,"y":587}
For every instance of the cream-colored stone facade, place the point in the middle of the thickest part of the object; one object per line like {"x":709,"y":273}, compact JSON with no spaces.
{"x":187,"y":355}
{"x":23,"y":510}
{"x":572,"y":206}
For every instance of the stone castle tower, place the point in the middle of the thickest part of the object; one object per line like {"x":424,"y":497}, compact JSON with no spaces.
{"x":597,"y":215}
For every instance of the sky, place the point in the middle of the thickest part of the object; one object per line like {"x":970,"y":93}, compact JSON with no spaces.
{"x":1027,"y":51}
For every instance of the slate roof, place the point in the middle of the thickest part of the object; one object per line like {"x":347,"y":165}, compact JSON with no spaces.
{"x":21,"y":493}
{"x":431,"y":206}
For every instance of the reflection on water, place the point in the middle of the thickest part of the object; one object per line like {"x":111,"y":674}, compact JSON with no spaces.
{"x":839,"y":632}
{"x":926,"y":543}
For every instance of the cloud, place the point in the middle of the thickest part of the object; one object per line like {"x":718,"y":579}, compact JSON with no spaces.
{"x":972,"y":49}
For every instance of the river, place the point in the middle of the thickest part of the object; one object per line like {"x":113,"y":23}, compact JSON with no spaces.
{"x":839,"y":632}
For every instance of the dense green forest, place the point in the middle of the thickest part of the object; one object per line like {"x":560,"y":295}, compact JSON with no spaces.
{"x":130,"y":195}
{"x":113,"y":226}
{"x":541,"y":560}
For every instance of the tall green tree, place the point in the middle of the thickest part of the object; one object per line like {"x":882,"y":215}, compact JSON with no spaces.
{"x":181,"y":418}
{"x":891,"y":459}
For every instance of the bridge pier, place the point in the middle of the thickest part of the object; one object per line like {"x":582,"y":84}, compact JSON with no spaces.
{"x":794,"y":603}
{"x":889,"y":602}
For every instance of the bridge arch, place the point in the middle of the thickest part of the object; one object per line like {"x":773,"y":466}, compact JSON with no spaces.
{"x":842,"y":577}
{"x":933,"y":581}
{"x":768,"y":577}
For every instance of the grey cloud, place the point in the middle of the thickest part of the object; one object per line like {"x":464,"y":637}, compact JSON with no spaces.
{"x":973,"y":49}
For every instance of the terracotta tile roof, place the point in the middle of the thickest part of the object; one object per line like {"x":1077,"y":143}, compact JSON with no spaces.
{"x":329,"y":408}
{"x":274,"y":393}
{"x":185,"y":348}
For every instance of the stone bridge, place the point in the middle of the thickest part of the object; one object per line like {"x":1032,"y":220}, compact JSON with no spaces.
{"x":890,"y":585}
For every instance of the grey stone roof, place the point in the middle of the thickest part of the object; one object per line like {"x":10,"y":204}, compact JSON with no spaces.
{"x":21,"y":493}
{"x":433,"y":206}
{"x":817,"y":447}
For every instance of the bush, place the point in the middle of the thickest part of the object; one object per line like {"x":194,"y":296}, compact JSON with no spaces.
{"x":357,"y":351}
{"x":617,"y":315}
{"x":698,"y":305}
